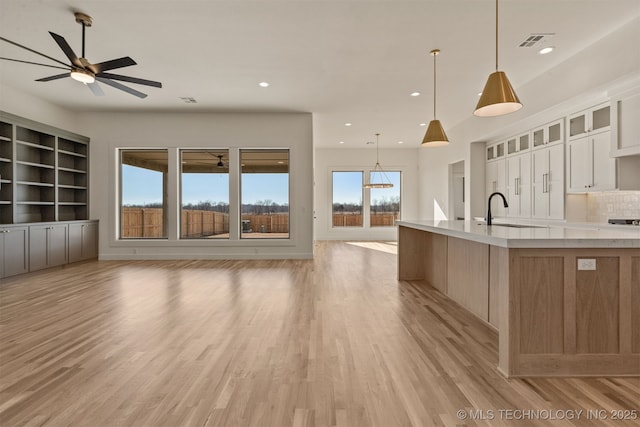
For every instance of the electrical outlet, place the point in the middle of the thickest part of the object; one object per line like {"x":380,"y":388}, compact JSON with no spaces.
{"x":586,"y":264}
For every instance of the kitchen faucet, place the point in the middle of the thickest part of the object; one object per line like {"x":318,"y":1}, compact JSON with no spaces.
{"x":504,"y":199}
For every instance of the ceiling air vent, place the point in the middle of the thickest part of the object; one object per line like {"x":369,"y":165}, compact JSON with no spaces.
{"x":536,"y":39}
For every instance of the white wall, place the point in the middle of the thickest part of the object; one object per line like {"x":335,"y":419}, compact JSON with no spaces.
{"x":328,"y":160}
{"x":110,"y":131}
{"x":25,"y":105}
{"x":580,"y":82}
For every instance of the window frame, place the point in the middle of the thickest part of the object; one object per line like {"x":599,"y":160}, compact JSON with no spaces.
{"x":241,"y":236}
{"x":120,"y":190}
{"x":363,"y":198}
{"x":181,"y":151}
{"x":366,"y":199}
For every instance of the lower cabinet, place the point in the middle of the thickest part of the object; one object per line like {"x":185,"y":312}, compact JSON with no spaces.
{"x":47,"y":246}
{"x":33,"y":247}
{"x":83,"y":241}
{"x":14,"y":251}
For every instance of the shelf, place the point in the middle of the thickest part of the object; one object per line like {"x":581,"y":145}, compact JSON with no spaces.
{"x":31,"y":144}
{"x":44,"y":175}
{"x":72,"y":187}
{"x":35,"y":203}
{"x":36,"y":184}
{"x":71,"y":170}
{"x":35,"y":165}
{"x":71,"y":153}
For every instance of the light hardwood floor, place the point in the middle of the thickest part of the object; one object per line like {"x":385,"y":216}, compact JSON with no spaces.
{"x":336,"y":341}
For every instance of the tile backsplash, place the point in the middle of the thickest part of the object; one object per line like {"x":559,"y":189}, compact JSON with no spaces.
{"x":615,"y":204}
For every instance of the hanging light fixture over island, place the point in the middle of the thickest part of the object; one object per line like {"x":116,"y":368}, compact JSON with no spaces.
{"x":498,"y":97}
{"x":435,"y":136}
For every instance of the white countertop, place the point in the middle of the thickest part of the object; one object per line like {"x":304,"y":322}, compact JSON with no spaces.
{"x":538,"y":236}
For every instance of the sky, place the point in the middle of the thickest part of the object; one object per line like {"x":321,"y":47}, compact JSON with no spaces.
{"x":144,"y":186}
{"x":347,"y":187}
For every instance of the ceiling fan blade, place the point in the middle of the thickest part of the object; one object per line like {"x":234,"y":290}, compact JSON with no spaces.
{"x":34,"y":63}
{"x":33,"y":51}
{"x":56,"y":77}
{"x":130,"y":79}
{"x":95,"y":88}
{"x":112,"y":64}
{"x":121,"y":87}
{"x":66,"y":49}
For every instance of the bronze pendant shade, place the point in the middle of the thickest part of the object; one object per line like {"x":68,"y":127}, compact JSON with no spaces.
{"x":498,"y":96}
{"x":435,"y":135}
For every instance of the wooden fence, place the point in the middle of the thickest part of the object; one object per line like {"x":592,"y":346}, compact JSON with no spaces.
{"x":197,"y":223}
{"x":148,"y":223}
{"x":275,"y":223}
{"x":384,"y":219}
{"x":142,"y":222}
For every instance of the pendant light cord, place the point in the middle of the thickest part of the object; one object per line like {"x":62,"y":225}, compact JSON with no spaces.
{"x":377,"y":150}
{"x":434,"y":84}
{"x":496,"y":35}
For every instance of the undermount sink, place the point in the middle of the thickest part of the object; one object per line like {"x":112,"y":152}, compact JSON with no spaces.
{"x":517,"y":225}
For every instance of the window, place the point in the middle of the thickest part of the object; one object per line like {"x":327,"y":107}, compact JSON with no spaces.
{"x":204,"y":194}
{"x":264,"y":194}
{"x":385,"y":203}
{"x":143,"y":194}
{"x":347,"y":199}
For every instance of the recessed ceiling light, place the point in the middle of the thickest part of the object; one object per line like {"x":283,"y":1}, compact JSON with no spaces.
{"x":400,"y":142}
{"x":347,"y":124}
{"x":415,"y":93}
{"x":546,"y":50}
{"x":280,"y":162}
{"x":479,"y":93}
{"x":341,"y":142}
{"x":263,"y":84}
{"x":423,"y":124}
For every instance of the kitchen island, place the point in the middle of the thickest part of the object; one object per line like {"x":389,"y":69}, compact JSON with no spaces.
{"x":564,"y":299}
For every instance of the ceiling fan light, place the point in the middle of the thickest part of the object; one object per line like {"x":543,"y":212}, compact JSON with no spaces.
{"x":435,"y":136}
{"x":498,"y":97}
{"x":82,"y":76}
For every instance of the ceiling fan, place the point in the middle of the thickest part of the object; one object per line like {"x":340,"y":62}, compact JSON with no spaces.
{"x":82,"y":70}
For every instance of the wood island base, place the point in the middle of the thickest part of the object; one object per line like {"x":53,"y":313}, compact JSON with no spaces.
{"x":558,"y":311}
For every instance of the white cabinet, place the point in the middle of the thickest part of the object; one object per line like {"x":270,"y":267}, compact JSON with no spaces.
{"x":495,"y":151}
{"x":593,"y":120}
{"x":625,"y":127}
{"x":518,"y":144}
{"x":550,"y":133}
{"x":519,"y":185}
{"x":589,"y":167}
{"x":47,"y":246}
{"x":547,"y":165}
{"x":83,"y":241}
{"x":495,"y":180}
{"x":14,"y":251}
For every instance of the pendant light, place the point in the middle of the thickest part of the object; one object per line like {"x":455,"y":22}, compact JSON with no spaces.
{"x":435,"y":136}
{"x":378,"y":177}
{"x":498,"y":96}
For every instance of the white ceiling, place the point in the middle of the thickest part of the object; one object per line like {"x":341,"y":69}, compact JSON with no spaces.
{"x":347,"y":61}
